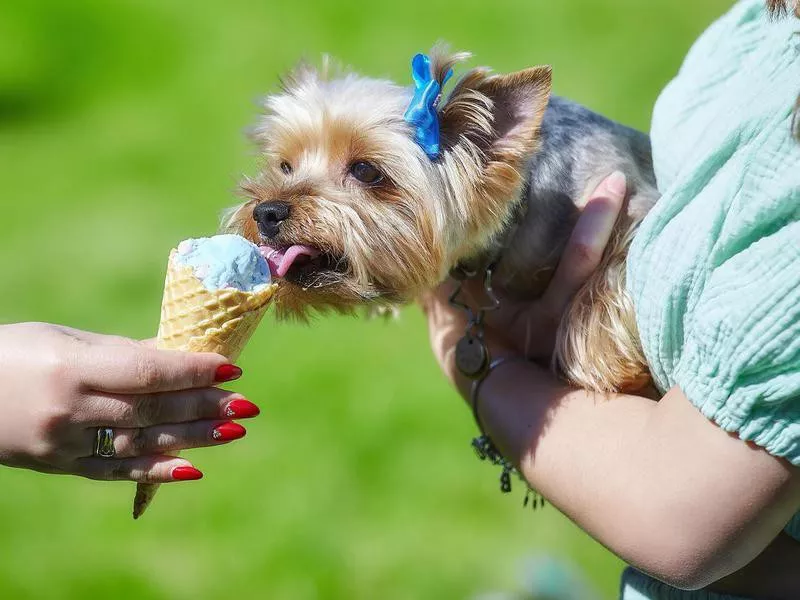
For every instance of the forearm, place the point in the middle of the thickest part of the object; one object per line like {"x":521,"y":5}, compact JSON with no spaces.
{"x":626,"y":470}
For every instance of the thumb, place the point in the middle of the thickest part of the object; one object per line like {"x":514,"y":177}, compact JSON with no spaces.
{"x":584,"y":250}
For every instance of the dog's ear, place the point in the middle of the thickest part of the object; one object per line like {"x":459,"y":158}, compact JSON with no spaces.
{"x":489,"y":128}
{"x":498,"y":114}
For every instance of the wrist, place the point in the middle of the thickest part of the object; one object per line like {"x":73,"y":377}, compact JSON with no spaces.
{"x":512,"y":405}
{"x":484,"y":445}
{"x":475,"y":385}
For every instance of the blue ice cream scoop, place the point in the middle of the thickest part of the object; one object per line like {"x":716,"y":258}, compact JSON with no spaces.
{"x":225,"y":261}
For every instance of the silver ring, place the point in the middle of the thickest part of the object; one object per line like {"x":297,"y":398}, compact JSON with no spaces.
{"x":104,"y":446}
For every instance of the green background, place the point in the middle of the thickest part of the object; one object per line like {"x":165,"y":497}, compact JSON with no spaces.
{"x":121,"y":132}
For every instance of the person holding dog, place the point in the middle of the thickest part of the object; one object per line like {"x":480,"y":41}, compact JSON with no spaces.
{"x":701,"y":489}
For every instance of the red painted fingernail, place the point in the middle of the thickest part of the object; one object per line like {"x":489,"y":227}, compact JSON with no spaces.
{"x":241,"y":409}
{"x":227,"y":432}
{"x":186,"y":473}
{"x":227,"y":373}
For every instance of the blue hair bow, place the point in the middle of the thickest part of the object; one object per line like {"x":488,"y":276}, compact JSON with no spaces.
{"x":421,"y":113}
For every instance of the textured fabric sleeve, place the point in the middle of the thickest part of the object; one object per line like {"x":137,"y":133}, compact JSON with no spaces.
{"x":740,"y":363}
{"x":714,"y":271}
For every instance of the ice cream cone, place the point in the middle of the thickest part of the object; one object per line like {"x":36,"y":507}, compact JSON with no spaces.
{"x":195,"y":319}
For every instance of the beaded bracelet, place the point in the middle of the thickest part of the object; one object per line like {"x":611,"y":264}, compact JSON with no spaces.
{"x":473,"y":361}
{"x":485,"y":448}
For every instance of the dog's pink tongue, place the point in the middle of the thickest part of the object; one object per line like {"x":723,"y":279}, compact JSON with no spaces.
{"x":280,"y":261}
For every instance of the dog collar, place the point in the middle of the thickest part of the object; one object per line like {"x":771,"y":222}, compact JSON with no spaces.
{"x":421,"y":112}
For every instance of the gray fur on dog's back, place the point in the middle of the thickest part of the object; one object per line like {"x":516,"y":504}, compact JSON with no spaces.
{"x":578,"y":149}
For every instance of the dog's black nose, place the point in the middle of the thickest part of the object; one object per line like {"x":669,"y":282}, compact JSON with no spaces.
{"x":269,"y":216}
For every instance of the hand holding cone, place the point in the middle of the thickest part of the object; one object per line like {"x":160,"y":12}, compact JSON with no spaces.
{"x":197,"y":319}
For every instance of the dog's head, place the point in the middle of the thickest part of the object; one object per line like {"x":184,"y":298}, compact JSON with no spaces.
{"x":348,"y":208}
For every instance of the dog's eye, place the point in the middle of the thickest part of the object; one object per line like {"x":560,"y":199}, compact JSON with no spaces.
{"x":365,"y":172}
{"x":286,"y":168}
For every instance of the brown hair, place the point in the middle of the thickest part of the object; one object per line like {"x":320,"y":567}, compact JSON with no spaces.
{"x":780,"y":8}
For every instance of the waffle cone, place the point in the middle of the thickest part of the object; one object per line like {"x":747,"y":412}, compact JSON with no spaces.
{"x":194,"y":319}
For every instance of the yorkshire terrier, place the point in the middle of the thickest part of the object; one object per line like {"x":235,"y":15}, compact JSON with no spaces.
{"x":371,"y":192}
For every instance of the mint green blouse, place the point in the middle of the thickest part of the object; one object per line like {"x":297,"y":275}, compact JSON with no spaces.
{"x":714,"y":270}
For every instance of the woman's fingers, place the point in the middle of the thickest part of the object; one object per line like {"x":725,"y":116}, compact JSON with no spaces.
{"x":446,"y":325}
{"x":163,"y":439}
{"x":144,"y":410}
{"x":150,"y":469}
{"x":588,"y":241}
{"x":137,"y":368}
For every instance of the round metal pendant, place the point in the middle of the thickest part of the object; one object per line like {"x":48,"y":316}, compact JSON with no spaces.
{"x":472,"y":357}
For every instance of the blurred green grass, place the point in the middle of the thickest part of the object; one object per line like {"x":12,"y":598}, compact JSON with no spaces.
{"x":121,"y":133}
